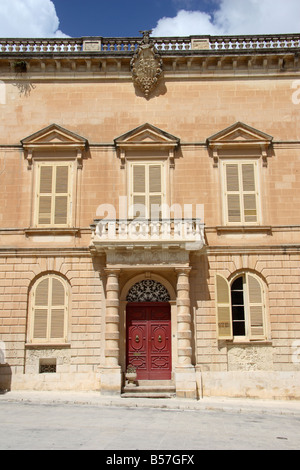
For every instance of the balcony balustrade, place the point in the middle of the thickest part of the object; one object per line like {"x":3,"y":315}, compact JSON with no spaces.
{"x":187,"y":234}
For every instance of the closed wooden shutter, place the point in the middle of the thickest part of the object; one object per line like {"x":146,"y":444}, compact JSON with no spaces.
{"x":155,"y":191}
{"x":50,"y":310}
{"x":54,"y":195}
{"x":249,"y":192}
{"x":139,"y":179}
{"x":256,"y":307}
{"x":139,"y":191}
{"x":45,"y":195}
{"x":233,"y":193}
{"x":223,"y":301}
{"x":154,"y":179}
{"x":61,"y":195}
{"x":147,"y":195}
{"x":41,"y":310}
{"x":57,"y":309}
{"x":241,"y":192}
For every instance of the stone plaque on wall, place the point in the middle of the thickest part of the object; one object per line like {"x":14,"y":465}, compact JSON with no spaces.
{"x":92,"y":46}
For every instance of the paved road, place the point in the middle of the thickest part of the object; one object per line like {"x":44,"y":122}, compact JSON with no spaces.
{"x":33,"y":426}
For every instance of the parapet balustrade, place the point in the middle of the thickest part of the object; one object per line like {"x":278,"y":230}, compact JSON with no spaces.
{"x":40,"y":45}
{"x":166,"y":44}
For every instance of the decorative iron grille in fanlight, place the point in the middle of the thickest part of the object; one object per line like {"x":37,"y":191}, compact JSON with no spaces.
{"x":148,"y":291}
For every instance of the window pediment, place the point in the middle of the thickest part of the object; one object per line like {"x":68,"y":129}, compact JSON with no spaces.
{"x":56,"y":142}
{"x":146,"y":135}
{"x":239,"y":136}
{"x":146,"y":138}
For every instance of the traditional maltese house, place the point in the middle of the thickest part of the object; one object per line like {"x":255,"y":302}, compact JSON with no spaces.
{"x":150,"y":215}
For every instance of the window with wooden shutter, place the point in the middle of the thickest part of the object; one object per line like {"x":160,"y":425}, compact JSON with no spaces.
{"x":256,"y":307}
{"x":49,"y":310}
{"x":54,"y":195}
{"x":223,"y":301}
{"x":241,"y":192}
{"x":240,"y":307}
{"x":146,"y":190}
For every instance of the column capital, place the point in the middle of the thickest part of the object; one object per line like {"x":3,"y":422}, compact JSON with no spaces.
{"x":112,"y":271}
{"x":183,"y":270}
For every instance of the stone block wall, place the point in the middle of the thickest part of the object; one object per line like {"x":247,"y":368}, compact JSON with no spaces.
{"x":78,"y":360}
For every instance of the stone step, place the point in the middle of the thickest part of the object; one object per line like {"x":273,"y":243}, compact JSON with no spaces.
{"x":148,"y":395}
{"x":155,"y":383}
{"x":150,"y":389}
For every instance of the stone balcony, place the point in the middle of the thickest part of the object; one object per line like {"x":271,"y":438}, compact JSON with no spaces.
{"x":165,"y":234}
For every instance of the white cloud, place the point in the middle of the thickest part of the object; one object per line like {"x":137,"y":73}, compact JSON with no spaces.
{"x":185,"y":24}
{"x":29,"y":18}
{"x":235,"y":17}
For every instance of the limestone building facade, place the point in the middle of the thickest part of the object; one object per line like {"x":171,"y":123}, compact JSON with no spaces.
{"x":149,"y":215}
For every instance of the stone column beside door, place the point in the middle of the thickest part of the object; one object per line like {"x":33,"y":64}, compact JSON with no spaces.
{"x":111,"y":372}
{"x":185,"y":376}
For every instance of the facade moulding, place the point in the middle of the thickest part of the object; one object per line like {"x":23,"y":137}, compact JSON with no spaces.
{"x":189,"y":67}
{"x":253,"y":249}
{"x":203,"y":144}
{"x":59,"y":251}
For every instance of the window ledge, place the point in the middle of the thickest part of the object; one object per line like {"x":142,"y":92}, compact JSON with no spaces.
{"x":267,"y":229}
{"x":51,"y":231}
{"x":248,"y":342}
{"x":47,"y":345}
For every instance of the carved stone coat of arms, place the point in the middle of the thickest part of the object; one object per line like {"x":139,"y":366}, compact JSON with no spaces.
{"x":146,"y":65}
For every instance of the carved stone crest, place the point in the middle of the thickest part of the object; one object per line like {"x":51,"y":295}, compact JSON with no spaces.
{"x":146,"y":65}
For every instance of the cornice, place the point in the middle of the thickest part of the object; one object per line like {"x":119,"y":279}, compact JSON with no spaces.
{"x":98,"y":58}
{"x":182,"y":66}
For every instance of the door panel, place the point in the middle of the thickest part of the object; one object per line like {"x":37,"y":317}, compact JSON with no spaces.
{"x":149,"y":340}
{"x":138,"y":345}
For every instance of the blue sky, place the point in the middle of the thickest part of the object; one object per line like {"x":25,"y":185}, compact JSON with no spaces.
{"x":121,"y":18}
{"x":118,"y":17}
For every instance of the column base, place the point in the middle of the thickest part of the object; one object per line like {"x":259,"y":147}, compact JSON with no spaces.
{"x":111,"y":381}
{"x":185,"y":381}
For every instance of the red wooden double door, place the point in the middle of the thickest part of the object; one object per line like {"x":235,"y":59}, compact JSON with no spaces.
{"x":149,"y":340}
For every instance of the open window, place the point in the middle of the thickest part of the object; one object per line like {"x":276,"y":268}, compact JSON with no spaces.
{"x":240,"y":307}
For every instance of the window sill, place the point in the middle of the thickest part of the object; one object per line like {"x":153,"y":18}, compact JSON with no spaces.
{"x":47,"y":345}
{"x":247,"y":341}
{"x":267,"y":229}
{"x":51,"y":231}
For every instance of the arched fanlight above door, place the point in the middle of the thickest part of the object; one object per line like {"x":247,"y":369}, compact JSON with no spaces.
{"x":148,"y":290}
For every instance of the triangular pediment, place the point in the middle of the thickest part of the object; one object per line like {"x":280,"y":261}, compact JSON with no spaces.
{"x":54,"y":136}
{"x":239,"y":133}
{"x":146,"y":135}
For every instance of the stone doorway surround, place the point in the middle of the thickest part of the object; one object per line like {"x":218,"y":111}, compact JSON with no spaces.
{"x":183,"y":371}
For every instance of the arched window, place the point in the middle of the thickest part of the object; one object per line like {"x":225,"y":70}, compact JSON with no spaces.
{"x":240,"y":307}
{"x":49,"y":310}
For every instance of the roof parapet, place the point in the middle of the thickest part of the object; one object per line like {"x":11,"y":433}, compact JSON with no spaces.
{"x":163,"y":44}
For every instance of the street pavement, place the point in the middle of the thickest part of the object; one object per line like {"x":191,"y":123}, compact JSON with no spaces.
{"x":83,"y":421}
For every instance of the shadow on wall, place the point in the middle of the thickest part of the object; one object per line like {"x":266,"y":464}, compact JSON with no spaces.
{"x":5,"y":378}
